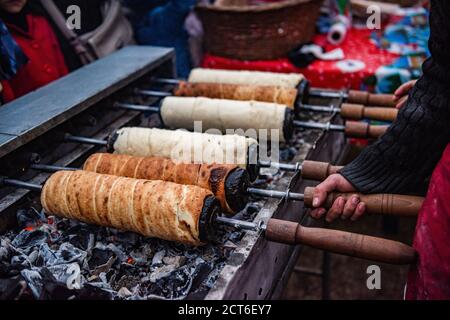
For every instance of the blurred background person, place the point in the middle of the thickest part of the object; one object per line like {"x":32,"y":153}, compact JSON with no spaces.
{"x":162,"y":23}
{"x":35,"y":37}
{"x":102,"y":28}
{"x":11,"y":57}
{"x":414,"y":148}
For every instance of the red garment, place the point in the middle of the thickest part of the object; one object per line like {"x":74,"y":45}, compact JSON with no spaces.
{"x":429,"y":279}
{"x":46,"y":62}
{"x":324,"y":74}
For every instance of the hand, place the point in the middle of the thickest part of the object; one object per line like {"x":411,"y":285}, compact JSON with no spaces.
{"x":353,"y":208}
{"x":401,"y":94}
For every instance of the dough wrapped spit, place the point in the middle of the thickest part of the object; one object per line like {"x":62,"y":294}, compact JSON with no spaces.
{"x":160,"y":209}
{"x":273,"y":94}
{"x":251,"y":117}
{"x":188,"y":147}
{"x":228,"y":183}
{"x":257,"y":78}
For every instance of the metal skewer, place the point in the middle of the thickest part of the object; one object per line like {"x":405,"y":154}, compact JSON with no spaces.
{"x":292,"y":233}
{"x":152,"y":93}
{"x":20,"y":184}
{"x":277,"y":194}
{"x":321,"y":126}
{"x":50,"y":168}
{"x":136,"y":107}
{"x":259,"y":192}
{"x":84,"y":140}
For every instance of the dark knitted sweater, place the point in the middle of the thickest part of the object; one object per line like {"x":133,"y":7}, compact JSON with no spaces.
{"x":404,"y":158}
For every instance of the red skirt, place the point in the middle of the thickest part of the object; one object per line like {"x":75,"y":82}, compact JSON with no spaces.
{"x":429,"y":279}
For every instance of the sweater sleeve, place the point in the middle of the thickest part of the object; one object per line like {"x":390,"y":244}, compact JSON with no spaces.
{"x":403,"y":159}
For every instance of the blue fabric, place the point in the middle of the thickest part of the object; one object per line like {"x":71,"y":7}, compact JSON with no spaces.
{"x":161,"y":23}
{"x":11,"y":56}
{"x":408,"y":38}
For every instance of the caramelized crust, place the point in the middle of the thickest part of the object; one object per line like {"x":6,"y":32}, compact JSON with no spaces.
{"x":157,"y":209}
{"x":207,"y":176}
{"x":278,"y":95}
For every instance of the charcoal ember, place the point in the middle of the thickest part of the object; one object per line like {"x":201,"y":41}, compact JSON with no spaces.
{"x":46,"y":256}
{"x":200,"y":273}
{"x":34,"y":281}
{"x":126,"y":239}
{"x":28,"y":239}
{"x":20,"y":262}
{"x":177,"y":286}
{"x":141,"y":256}
{"x":5,"y":251}
{"x":14,"y":288}
{"x":29,"y":218}
{"x":99,"y":257}
{"x":117,"y":250}
{"x":67,"y":253}
{"x":126,"y":281}
{"x":92,"y":292}
{"x":213,"y":275}
{"x":104,"y":268}
{"x":83,"y":239}
{"x":157,"y":258}
{"x":124,"y":293}
{"x":68,"y":274}
{"x":55,"y":289}
{"x":176,"y":260}
{"x":162,"y":272}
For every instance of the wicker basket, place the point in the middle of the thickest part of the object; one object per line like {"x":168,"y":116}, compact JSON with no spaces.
{"x":258,"y":32}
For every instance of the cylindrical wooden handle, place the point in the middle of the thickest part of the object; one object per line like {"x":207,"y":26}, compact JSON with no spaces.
{"x":380,"y":113}
{"x":385,"y":204}
{"x":352,"y":111}
{"x":374,"y":132}
{"x":369,"y":99}
{"x":350,"y":244}
{"x":358,"y":112}
{"x":358,"y":97}
{"x":363,"y":130}
{"x":383,"y":100}
{"x":319,"y":171}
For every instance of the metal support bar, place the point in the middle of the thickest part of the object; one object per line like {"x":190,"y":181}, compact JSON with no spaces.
{"x":330,"y":109}
{"x":321,"y":126}
{"x":84,"y":140}
{"x":239,"y":224}
{"x":166,"y":81}
{"x":277,"y":194}
{"x":50,"y":168}
{"x":315,"y":92}
{"x":20,"y":184}
{"x":152,"y":93}
{"x":136,"y":107}
{"x":282,"y":166}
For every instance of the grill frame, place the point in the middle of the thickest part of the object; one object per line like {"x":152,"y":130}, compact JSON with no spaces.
{"x":256,"y":270}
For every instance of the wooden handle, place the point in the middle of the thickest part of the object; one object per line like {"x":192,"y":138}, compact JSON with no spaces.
{"x":369,"y":99}
{"x":352,"y":111}
{"x":358,"y":112}
{"x":319,"y":171}
{"x":374,"y":132}
{"x":363,"y":130}
{"x":358,"y":97}
{"x":380,"y":113}
{"x":382,"y":100}
{"x":350,"y":244}
{"x":385,"y":204}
